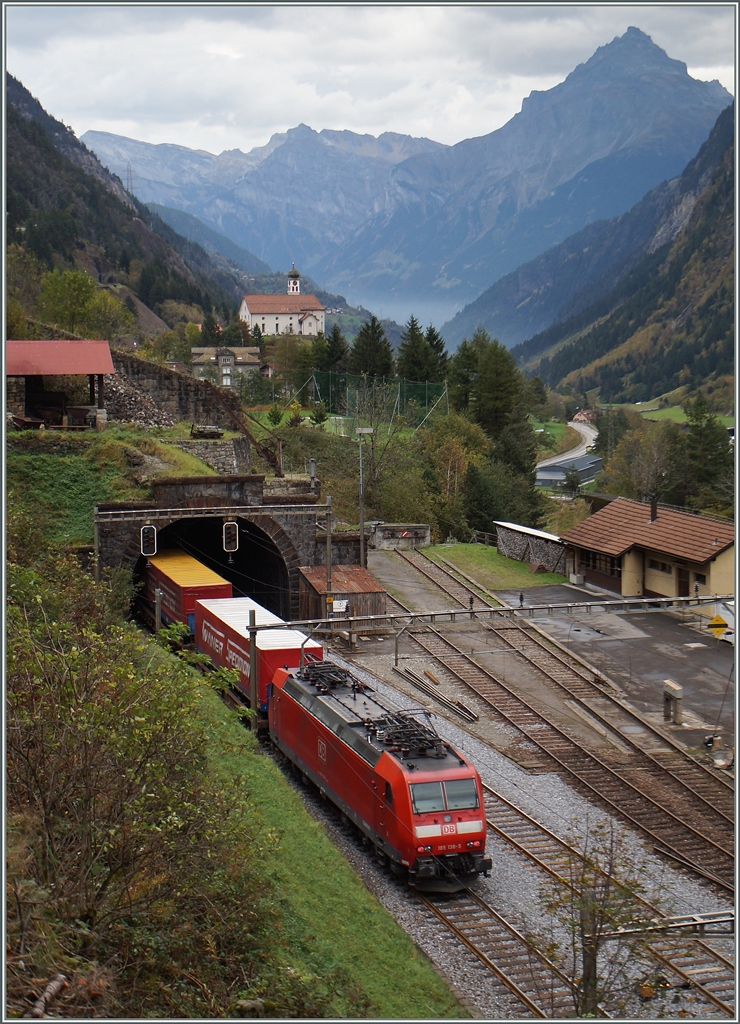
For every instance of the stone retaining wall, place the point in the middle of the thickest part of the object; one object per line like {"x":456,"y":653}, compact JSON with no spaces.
{"x":401,"y":536}
{"x":178,"y":394}
{"x":203,"y":491}
{"x":231,"y":458}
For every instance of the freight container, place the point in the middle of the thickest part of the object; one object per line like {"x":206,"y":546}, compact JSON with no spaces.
{"x":182,"y":580}
{"x":222,"y":632}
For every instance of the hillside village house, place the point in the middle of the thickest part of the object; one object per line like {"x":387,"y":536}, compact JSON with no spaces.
{"x":230,"y":363}
{"x":292,"y":313}
{"x":640,"y":549}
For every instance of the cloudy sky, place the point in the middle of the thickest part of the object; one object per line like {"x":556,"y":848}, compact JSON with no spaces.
{"x":224,"y":77}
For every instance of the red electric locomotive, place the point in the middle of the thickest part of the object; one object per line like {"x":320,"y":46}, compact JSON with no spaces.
{"x":417,"y":800}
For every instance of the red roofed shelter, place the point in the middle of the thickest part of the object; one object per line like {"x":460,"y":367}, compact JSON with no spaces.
{"x":35,"y":360}
{"x":642,"y":549}
{"x":356,"y":593}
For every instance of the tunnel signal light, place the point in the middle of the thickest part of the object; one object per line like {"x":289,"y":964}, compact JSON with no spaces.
{"x":148,"y":540}
{"x":231,"y":537}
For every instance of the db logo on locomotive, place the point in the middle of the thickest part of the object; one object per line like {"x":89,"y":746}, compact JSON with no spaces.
{"x":322,"y":750}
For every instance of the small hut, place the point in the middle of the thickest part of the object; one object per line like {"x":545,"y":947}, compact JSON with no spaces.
{"x":356,"y":593}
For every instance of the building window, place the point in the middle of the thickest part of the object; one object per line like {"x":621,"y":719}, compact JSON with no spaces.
{"x":226,"y":381}
{"x":700,"y":578}
{"x":602,"y":563}
{"x":660,"y":566}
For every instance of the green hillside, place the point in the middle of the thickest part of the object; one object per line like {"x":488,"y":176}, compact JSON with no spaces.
{"x":668,"y":324}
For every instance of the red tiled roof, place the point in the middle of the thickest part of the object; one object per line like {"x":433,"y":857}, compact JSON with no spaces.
{"x":624,"y":524}
{"x":345,"y":579}
{"x":54,"y":358}
{"x":282,"y":303}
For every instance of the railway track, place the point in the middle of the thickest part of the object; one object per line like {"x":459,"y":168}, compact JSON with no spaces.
{"x":692,"y":960}
{"x":702,"y":784}
{"x":460,"y":592}
{"x":655,"y":803}
{"x":535,"y":981}
{"x":707,"y":791}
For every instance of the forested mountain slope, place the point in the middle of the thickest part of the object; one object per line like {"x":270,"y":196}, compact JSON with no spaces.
{"x":68,"y":210}
{"x":587,"y":266}
{"x":670,"y":321}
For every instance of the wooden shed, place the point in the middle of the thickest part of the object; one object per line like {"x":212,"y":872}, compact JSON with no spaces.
{"x":356,"y":592}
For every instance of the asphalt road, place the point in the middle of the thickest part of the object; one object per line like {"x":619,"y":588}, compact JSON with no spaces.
{"x":588,"y":436}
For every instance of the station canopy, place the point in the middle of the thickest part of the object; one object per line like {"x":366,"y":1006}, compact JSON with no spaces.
{"x":56,"y":358}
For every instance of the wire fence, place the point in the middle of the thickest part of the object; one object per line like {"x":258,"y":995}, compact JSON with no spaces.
{"x":350,"y":395}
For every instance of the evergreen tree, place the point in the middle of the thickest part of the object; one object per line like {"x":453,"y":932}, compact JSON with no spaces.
{"x":498,"y":386}
{"x":462,"y":369}
{"x":371,"y":353}
{"x":708,"y":451}
{"x":319,"y":353}
{"x":416,"y":359}
{"x":516,"y":447}
{"x":337,"y":351}
{"x":211,"y":332}
{"x":437,"y":344}
{"x":236,"y":335}
{"x":494,"y":492}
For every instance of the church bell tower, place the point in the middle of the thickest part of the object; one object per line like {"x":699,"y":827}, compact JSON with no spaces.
{"x":294,"y":281}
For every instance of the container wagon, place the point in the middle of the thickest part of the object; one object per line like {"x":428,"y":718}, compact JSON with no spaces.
{"x":222,"y":632}
{"x":412,"y":795}
{"x":182,"y":580}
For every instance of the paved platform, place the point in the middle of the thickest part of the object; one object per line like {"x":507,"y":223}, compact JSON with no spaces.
{"x":640,"y":651}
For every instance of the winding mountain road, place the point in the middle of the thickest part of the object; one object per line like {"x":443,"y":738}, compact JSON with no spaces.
{"x":588,"y":436}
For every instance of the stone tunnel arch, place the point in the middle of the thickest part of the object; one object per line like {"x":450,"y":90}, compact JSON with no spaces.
{"x":265,"y":566}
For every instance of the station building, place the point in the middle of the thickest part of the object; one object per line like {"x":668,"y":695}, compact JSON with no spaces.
{"x":642,"y":549}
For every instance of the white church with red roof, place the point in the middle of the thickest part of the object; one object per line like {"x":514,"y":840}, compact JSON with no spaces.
{"x":284,"y":314}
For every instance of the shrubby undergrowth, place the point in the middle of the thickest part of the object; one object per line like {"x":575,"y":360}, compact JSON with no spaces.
{"x":136,"y":866}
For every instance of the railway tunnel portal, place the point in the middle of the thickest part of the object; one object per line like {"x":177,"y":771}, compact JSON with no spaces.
{"x":275,"y":538}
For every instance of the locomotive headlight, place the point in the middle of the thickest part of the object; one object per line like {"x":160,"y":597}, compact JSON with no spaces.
{"x":423,"y":849}
{"x":473,"y":844}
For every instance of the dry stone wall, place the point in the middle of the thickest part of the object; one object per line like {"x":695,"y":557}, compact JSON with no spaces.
{"x":525,"y":547}
{"x":180,"y":396}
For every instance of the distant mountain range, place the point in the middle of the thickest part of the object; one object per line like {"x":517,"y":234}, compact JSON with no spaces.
{"x":588,"y":265}
{"x":669,"y":321}
{"x":397,"y":219}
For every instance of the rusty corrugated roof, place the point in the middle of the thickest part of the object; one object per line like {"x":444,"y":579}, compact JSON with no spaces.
{"x":282,"y":303}
{"x":624,"y":524}
{"x":345,"y":579}
{"x":54,"y":358}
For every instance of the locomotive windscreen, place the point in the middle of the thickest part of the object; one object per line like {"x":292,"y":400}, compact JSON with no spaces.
{"x":452,"y":795}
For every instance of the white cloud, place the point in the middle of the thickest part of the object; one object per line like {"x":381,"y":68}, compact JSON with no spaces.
{"x":224,"y":77}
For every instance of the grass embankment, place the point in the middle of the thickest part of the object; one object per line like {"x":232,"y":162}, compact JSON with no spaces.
{"x":330,"y":922}
{"x":65,"y":475}
{"x":490,"y":569}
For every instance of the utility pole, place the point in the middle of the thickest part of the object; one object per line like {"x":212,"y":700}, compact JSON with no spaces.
{"x":253,"y":703}
{"x":329,"y":598}
{"x":360,"y":431}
